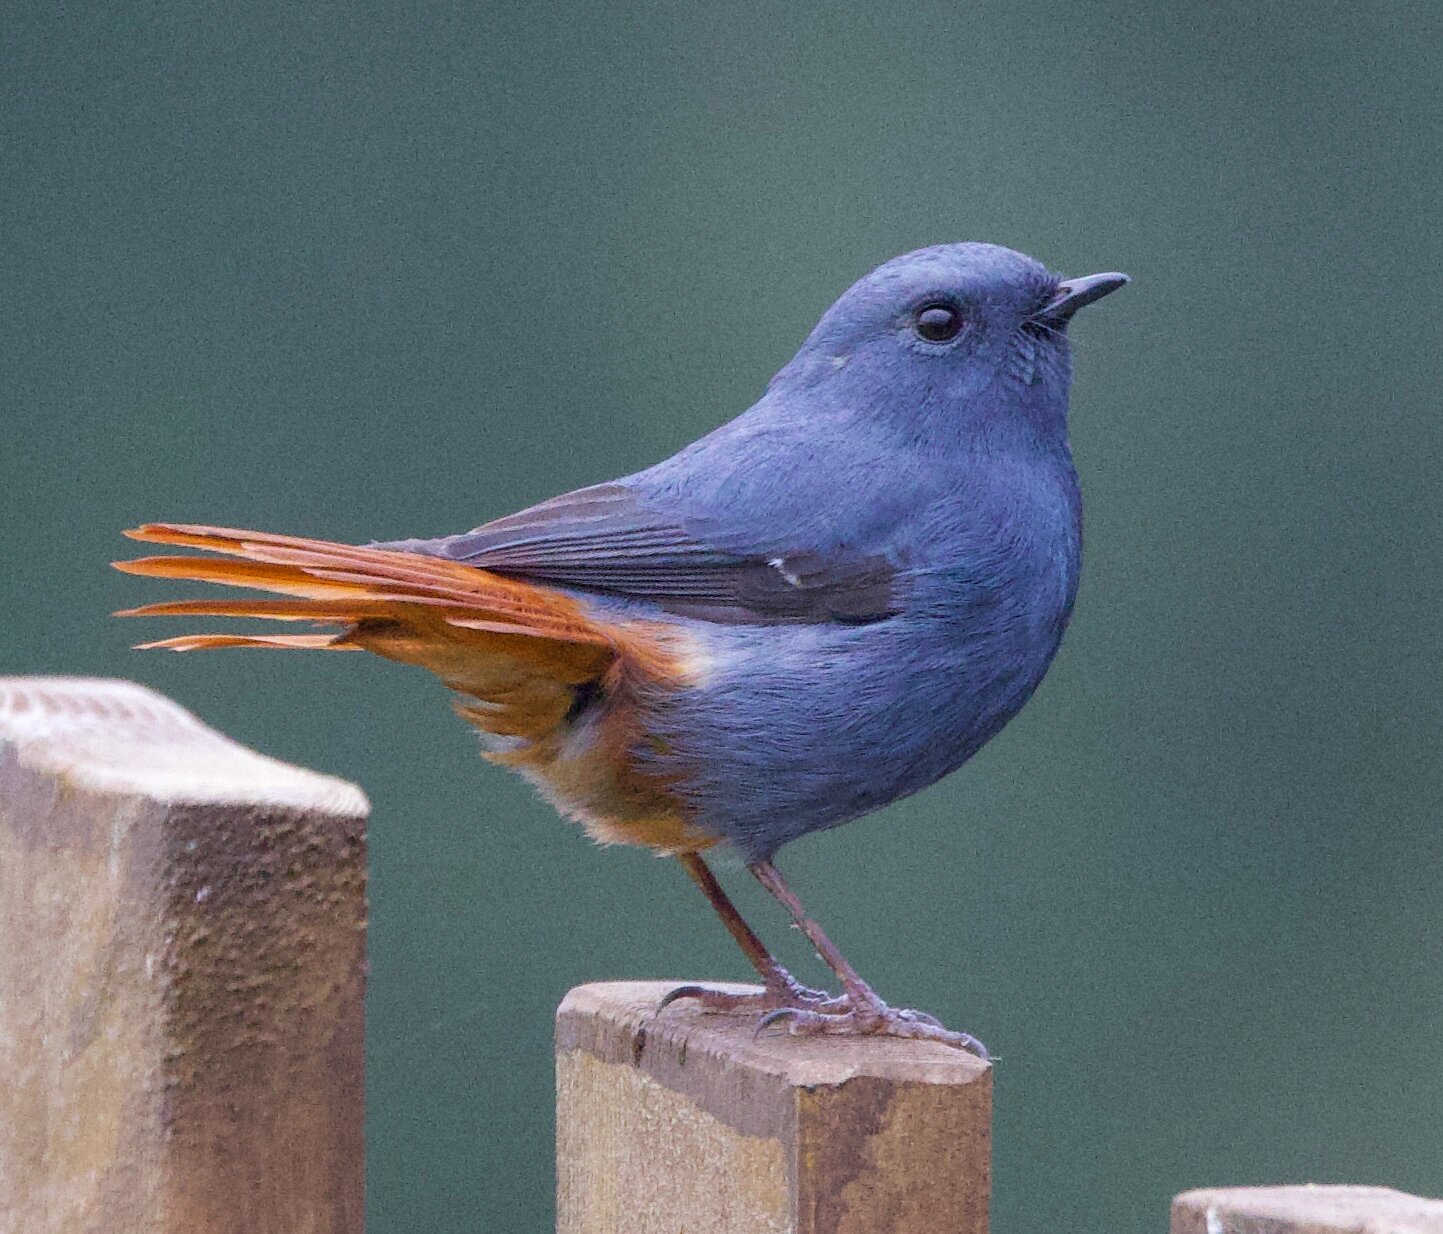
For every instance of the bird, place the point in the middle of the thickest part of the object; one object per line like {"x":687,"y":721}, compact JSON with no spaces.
{"x":824,"y":605}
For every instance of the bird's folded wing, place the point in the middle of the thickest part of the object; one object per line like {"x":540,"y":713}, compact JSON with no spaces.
{"x":608,"y":539}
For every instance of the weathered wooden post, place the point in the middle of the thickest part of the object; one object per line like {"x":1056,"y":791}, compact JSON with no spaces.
{"x":681,"y":1121}
{"x":1305,"y":1210}
{"x":181,"y":970}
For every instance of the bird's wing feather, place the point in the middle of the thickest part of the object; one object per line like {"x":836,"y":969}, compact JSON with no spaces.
{"x":610,"y":539}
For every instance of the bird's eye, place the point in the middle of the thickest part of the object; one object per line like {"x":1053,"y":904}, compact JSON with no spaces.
{"x":938,"y":323}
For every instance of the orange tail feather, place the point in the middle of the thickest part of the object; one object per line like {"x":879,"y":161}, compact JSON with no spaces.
{"x":523,"y":655}
{"x":476,"y":630}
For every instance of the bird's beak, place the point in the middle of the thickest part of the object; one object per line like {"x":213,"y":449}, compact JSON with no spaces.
{"x":1072,"y":294}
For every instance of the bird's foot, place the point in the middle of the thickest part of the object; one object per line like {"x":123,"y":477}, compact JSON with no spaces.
{"x":870,"y":1017}
{"x":782,"y":995}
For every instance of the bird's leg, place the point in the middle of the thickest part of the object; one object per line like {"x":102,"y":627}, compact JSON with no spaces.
{"x":783,"y":991}
{"x":866,"y":1012}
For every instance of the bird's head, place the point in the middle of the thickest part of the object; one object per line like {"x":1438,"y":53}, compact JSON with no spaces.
{"x":959,"y":335}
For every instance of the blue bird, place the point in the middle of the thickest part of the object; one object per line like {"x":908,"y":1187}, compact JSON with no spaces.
{"x":826,"y":604}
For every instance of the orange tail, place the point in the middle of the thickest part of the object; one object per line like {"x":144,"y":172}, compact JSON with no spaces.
{"x":520,"y":650}
{"x":530,"y":659}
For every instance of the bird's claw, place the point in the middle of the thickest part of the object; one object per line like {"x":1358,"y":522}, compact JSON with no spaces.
{"x":876,"y":1020}
{"x":786,"y":1013}
{"x":699,"y":992}
{"x":777,"y":997}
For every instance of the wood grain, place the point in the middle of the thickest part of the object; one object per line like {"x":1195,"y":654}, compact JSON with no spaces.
{"x":181,"y":977}
{"x":1305,"y":1210}
{"x":682,"y":1121}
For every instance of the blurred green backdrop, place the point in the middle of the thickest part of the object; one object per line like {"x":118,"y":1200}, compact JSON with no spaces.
{"x":371,"y":270}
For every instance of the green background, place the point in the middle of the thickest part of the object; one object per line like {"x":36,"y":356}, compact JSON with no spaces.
{"x":366,"y":271}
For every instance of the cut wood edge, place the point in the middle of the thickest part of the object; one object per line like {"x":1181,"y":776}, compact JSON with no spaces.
{"x":114,"y":736}
{"x":719,"y":1063}
{"x":1308,"y":1208}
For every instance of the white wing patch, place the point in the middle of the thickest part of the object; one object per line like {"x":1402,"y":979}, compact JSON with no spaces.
{"x":779,"y":564}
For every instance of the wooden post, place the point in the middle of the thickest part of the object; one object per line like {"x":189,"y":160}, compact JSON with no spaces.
{"x":181,"y":968}
{"x":1305,"y":1210}
{"x":681,"y":1121}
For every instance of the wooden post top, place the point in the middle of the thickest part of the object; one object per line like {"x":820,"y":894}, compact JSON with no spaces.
{"x":1305,"y":1209}
{"x":682,"y":1119}
{"x":745,"y":1080}
{"x":120,"y":737}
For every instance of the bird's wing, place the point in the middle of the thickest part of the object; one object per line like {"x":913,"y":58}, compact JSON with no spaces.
{"x":609,"y":539}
